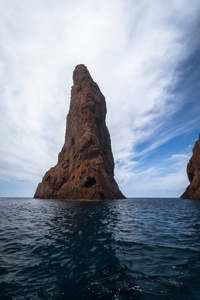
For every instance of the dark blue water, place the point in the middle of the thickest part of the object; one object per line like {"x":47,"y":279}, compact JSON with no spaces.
{"x":122,"y":249}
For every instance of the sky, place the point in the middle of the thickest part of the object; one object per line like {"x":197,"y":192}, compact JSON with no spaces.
{"x":145,"y":57}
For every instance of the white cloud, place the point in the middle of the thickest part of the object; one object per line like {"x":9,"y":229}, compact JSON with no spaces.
{"x":131,"y":48}
{"x":179,"y":157}
{"x":159,"y":181}
{"x":167,"y":178}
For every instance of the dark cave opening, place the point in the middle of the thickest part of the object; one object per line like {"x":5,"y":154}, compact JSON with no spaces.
{"x":191,"y":176}
{"x":90,"y":182}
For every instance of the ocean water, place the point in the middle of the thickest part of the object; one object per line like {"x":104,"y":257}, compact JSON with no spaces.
{"x":121,"y":249}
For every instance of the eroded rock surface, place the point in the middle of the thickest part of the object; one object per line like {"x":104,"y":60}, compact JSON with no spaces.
{"x":193,"y":172}
{"x":85,"y":168}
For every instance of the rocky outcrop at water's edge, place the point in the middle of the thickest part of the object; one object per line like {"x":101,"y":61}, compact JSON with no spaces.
{"x":85,"y":168}
{"x":193,"y":172}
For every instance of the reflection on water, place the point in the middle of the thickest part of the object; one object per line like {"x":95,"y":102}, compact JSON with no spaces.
{"x":123,"y":249}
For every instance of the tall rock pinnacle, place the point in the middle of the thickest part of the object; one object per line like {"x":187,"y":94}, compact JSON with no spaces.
{"x":85,"y":168}
{"x":193,"y":172}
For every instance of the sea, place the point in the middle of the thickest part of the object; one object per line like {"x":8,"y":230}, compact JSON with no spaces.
{"x":144,"y":248}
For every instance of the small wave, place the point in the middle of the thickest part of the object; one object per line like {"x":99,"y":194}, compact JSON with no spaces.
{"x":126,"y":249}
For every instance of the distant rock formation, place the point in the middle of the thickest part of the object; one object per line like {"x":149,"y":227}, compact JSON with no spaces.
{"x":193,"y":172}
{"x":85,"y":168}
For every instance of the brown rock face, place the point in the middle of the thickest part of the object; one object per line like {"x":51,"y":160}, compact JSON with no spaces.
{"x":193,"y":172}
{"x":85,"y":168}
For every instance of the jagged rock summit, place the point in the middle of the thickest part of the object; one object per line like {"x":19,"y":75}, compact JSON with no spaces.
{"x":85,"y":168}
{"x":193,"y":172}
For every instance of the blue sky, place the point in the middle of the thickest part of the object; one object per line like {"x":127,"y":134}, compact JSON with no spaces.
{"x":145,"y":57}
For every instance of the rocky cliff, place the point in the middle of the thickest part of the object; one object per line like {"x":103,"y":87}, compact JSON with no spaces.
{"x":193,"y":172}
{"x":85,"y":168}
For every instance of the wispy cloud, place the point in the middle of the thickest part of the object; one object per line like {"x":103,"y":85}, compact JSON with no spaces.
{"x":137,"y":51}
{"x":165,"y":179}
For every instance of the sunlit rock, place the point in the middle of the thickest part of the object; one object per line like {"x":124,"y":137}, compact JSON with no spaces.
{"x":85,"y":168}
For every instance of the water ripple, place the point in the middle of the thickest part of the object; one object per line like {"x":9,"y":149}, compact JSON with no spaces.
{"x":124,"y":249}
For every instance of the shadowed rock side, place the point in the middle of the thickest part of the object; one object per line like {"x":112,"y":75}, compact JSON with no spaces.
{"x":193,"y":172}
{"x":85,"y":168}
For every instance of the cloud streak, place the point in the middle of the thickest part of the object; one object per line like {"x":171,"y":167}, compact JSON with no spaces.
{"x":137,"y":52}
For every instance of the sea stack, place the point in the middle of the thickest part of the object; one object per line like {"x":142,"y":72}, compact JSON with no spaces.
{"x":85,"y":168}
{"x":193,"y":172}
